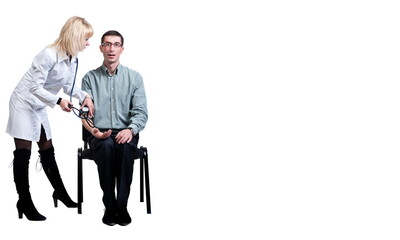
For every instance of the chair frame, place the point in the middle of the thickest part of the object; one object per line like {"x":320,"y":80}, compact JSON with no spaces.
{"x":141,"y":154}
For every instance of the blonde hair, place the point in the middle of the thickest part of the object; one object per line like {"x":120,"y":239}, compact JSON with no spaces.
{"x":73,"y":36}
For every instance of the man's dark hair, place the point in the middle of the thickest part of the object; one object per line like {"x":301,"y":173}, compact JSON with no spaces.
{"x":112,"y":33}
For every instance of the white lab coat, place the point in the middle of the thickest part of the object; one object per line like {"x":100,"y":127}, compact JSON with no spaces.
{"x":38,"y":88}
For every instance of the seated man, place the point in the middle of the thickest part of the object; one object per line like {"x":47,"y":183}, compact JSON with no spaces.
{"x":120,"y":114}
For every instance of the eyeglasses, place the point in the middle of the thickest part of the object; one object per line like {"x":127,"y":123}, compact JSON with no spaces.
{"x":108,"y":44}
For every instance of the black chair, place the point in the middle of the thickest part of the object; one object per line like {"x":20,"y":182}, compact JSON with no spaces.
{"x":140,"y":153}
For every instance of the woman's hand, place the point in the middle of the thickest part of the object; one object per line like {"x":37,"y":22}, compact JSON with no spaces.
{"x":66,"y":105}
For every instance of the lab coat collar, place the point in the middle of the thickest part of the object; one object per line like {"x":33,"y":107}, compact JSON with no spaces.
{"x":63,"y":56}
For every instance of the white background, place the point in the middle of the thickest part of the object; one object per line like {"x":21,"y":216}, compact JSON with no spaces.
{"x":267,"y":119}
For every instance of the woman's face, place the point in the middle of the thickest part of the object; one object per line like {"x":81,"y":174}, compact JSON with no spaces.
{"x":85,"y":44}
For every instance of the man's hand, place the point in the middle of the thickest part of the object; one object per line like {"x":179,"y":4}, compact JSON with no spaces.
{"x":101,"y":135}
{"x":89,"y":103}
{"x":124,"y":136}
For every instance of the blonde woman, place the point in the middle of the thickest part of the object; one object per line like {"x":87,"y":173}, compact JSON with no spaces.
{"x":53,"y":69}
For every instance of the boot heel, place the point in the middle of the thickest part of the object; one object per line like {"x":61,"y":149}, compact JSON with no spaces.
{"x":19,"y":214}
{"x":55,"y":202}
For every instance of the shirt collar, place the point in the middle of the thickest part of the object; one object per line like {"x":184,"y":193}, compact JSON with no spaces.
{"x":106,"y":70}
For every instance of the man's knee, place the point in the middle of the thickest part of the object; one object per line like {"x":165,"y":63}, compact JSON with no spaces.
{"x":96,"y":143}
{"x":102,"y":148}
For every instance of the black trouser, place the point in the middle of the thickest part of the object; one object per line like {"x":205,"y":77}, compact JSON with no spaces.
{"x":115,"y":167}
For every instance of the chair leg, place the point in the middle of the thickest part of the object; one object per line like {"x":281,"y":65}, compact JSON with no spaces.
{"x":80,"y":181}
{"x":141,"y":179}
{"x":147,"y":179}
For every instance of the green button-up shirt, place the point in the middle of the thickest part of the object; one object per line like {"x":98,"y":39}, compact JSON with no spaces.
{"x":119,"y":99}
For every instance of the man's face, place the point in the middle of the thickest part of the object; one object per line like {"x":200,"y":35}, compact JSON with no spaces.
{"x":111,"y":49}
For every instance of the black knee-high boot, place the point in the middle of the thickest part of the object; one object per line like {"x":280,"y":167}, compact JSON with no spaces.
{"x":51,"y":169}
{"x":21,"y":178}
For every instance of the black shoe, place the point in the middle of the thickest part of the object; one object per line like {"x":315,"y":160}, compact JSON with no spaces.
{"x":110,"y":217}
{"x":50,"y":168}
{"x":123,"y":217}
{"x":64,"y":198}
{"x":25,"y":204}
{"x":26,"y":207}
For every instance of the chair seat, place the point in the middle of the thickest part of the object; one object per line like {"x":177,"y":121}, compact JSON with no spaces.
{"x":87,"y":154}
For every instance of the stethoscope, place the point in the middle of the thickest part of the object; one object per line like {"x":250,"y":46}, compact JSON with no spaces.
{"x":82,"y":113}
